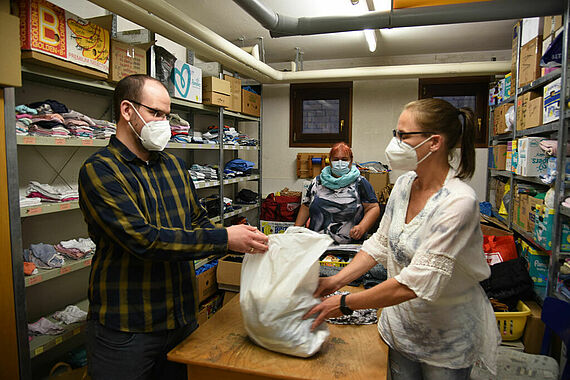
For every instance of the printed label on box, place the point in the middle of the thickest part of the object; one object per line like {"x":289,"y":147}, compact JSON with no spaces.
{"x":187,"y":81}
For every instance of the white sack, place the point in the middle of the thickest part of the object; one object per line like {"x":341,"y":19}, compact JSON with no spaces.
{"x":277,"y":290}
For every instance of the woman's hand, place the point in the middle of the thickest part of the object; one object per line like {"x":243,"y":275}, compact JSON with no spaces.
{"x":329,"y":308}
{"x":327,"y":285}
{"x":356,"y":232}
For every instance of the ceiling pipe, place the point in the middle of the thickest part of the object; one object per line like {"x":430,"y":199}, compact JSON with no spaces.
{"x":182,"y":29}
{"x":282,"y":25}
{"x":152,"y":22}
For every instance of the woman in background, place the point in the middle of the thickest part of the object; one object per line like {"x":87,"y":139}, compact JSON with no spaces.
{"x":339,"y":201}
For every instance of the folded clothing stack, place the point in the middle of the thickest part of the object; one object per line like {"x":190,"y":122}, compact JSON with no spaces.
{"x":50,"y":193}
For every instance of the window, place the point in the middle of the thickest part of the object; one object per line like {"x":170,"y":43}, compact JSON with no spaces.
{"x":469,"y":92}
{"x":321,"y":114}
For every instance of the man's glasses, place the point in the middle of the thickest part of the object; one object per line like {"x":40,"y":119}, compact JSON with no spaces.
{"x":155,"y":113}
{"x":403,"y":135}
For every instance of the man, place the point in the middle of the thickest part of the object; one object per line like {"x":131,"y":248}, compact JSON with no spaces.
{"x":142,"y":212}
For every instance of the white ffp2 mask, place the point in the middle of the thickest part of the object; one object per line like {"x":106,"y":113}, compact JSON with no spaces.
{"x":154,"y":134}
{"x":402,"y":156}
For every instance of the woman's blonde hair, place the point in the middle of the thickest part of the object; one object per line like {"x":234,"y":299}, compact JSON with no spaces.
{"x":457,"y":125}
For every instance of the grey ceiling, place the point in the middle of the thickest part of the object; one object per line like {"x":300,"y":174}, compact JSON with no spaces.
{"x":231,"y":22}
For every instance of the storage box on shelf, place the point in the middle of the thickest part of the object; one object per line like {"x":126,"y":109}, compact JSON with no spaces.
{"x":53,"y":36}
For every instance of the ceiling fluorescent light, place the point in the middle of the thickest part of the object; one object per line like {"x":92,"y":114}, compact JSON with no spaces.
{"x":382,"y":5}
{"x":370,"y":39}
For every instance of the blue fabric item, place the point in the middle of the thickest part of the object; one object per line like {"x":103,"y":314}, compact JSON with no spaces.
{"x":333,"y":183}
{"x":206,"y":266}
{"x":47,"y":254}
{"x":248,"y":88}
{"x":486,"y":208}
{"x":239,"y":164}
{"x":553,"y":55}
{"x":22,"y":108}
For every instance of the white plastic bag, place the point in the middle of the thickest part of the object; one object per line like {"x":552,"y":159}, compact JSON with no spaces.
{"x":277,"y":290}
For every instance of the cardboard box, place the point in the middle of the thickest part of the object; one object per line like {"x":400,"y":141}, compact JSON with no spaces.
{"x":523,"y":214}
{"x":213,"y":84}
{"x":126,"y":59}
{"x":522,"y":109}
{"x":514,"y":48}
{"x":499,"y":123}
{"x":531,"y":28}
{"x":48,"y":29}
{"x":533,"y":204}
{"x":228,"y":296}
{"x":186,"y":81}
{"x":250,"y":103}
{"x":499,"y":156}
{"x":551,"y":24}
{"x":508,"y":85}
{"x":235,"y":90}
{"x":530,"y":61}
{"x":533,"y":115}
{"x":538,"y":261}
{"x":209,"y":69}
{"x":10,"y":64}
{"x":216,"y":99}
{"x":51,"y":62}
{"x":544,"y":220}
{"x":534,"y":329}
{"x":551,"y":98}
{"x":378,"y":181}
{"x":207,"y":284}
{"x":269,"y":227}
{"x":532,"y":161}
{"x":229,"y":272}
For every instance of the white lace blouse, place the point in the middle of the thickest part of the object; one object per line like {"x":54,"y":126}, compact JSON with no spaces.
{"x":439,"y":255}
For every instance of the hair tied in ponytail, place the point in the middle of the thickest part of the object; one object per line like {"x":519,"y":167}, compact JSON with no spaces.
{"x":462,"y":120}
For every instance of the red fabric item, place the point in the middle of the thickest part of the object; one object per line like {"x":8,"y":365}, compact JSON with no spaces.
{"x":29,"y":268}
{"x":499,"y":248}
{"x":282,"y":208}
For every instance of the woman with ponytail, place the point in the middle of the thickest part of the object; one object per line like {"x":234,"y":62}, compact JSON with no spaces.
{"x":440,"y":322}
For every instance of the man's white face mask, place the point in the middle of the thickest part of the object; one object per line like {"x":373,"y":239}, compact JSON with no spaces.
{"x":154,"y":134}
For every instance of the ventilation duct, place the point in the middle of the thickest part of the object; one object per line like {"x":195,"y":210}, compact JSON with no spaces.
{"x":281,"y":25}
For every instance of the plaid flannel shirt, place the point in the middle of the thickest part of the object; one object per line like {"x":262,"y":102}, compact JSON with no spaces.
{"x":148,"y":226}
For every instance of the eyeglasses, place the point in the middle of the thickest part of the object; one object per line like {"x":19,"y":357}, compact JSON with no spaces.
{"x":155,"y":113}
{"x":403,"y":135}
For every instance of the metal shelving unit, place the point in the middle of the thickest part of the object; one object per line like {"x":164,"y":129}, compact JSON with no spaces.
{"x":41,"y":343}
{"x":48,"y":274}
{"x":33,"y":74}
{"x":556,"y":130}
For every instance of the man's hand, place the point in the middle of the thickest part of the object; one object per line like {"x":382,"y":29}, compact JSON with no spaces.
{"x":246,"y":239}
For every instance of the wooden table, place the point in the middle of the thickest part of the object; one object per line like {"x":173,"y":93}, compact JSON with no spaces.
{"x":221,"y":349}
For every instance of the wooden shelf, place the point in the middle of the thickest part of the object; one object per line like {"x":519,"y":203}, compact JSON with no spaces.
{"x":48,"y":208}
{"x":42,"y":343}
{"x":47,"y":274}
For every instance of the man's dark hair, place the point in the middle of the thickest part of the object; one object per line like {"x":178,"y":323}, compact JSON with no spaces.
{"x":129,"y":88}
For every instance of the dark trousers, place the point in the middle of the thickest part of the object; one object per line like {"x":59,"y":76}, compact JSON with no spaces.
{"x":124,"y":355}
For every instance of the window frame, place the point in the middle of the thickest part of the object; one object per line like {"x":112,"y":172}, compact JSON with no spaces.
{"x":319,"y":91}
{"x":463,"y":86}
